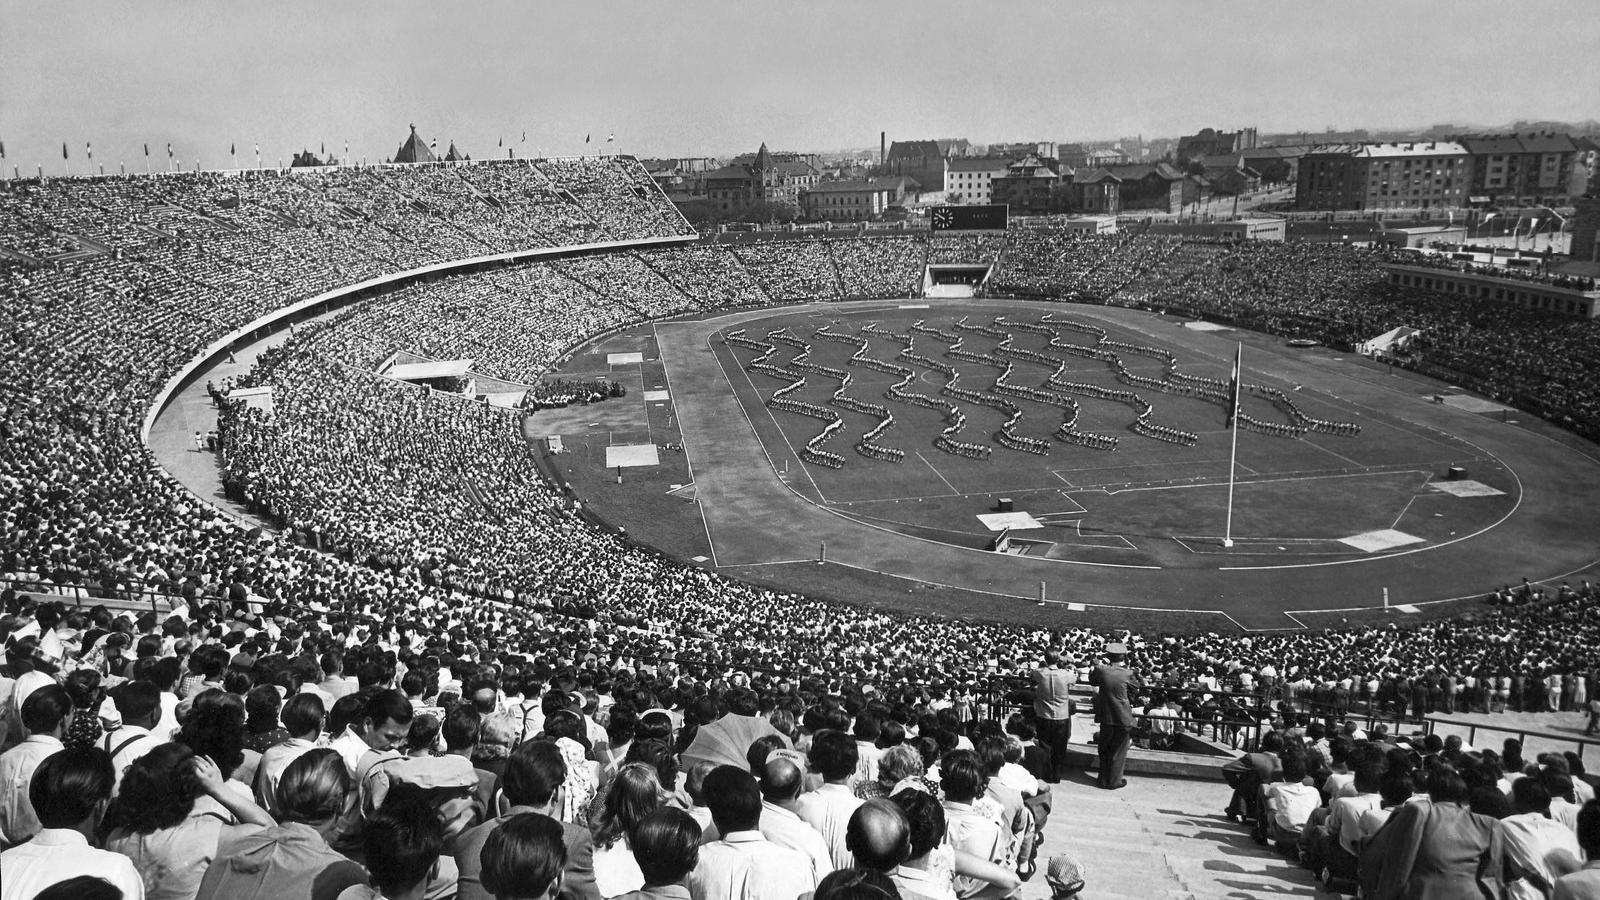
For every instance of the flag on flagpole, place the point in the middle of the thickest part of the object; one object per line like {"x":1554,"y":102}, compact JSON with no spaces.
{"x":64,"y":150}
{"x":2,"y":149}
{"x":611,"y":137}
{"x":501,"y":142}
{"x":233,"y":149}
{"x":1233,"y":388}
{"x":524,"y":137}
{"x":88,"y":150}
{"x":586,"y":138}
{"x":169,"y":150}
{"x":146,"y":151}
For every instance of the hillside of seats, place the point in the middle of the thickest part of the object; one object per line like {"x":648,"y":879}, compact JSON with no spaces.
{"x":110,"y":285}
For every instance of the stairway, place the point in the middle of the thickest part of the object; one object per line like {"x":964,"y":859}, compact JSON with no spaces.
{"x":1162,"y":839}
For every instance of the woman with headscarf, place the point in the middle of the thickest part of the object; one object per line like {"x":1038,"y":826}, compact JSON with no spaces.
{"x":566,"y":729}
{"x":156,"y":822}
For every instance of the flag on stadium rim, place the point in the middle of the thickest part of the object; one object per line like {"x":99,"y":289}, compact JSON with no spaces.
{"x":524,"y":137}
{"x":2,"y":149}
{"x":64,"y":150}
{"x":586,"y":138}
{"x":88,"y":150}
{"x":169,"y":149}
{"x":233,"y":149}
{"x":147,"y":151}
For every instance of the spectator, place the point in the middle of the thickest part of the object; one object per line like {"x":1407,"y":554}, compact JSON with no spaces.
{"x":1538,"y":849}
{"x":667,"y":847}
{"x":385,"y":720}
{"x":292,"y":858}
{"x":157,"y":823}
{"x":524,"y":857}
{"x":69,"y":791}
{"x":781,"y":781}
{"x":1438,"y":849}
{"x":966,"y":828}
{"x":743,"y":864}
{"x":402,"y":843}
{"x":139,"y":706}
{"x":1052,"y":709}
{"x":1584,"y":884}
{"x":829,"y":807}
{"x":628,"y":799}
{"x":857,"y":884}
{"x":45,"y":715}
{"x":532,"y":783}
{"x":303,"y":717}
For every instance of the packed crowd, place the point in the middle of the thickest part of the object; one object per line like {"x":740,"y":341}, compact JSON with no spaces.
{"x":225,"y":754}
{"x":397,"y":503}
{"x":1390,"y":816}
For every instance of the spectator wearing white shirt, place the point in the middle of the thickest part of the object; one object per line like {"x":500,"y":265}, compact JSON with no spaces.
{"x":46,"y":715}
{"x":828,"y":808}
{"x":69,"y":791}
{"x":781,"y":780}
{"x":139,"y":705}
{"x":966,"y":829}
{"x":303,"y":717}
{"x":744,"y":865}
{"x":1542,"y":848}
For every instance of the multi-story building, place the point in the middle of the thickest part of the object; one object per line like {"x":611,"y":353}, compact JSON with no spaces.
{"x":1095,"y":191}
{"x":1159,"y":186}
{"x":763,"y":180}
{"x":926,"y":162}
{"x":851,"y":201}
{"x":1521,"y":168}
{"x":973,"y":178}
{"x":1030,"y":187}
{"x":1411,"y":175}
{"x":1211,"y":142}
{"x":1586,"y":229}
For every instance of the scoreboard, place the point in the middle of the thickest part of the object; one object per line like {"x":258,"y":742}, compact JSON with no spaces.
{"x":987,"y":217}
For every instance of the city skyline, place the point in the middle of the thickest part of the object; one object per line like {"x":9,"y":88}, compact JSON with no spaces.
{"x":704,"y":78}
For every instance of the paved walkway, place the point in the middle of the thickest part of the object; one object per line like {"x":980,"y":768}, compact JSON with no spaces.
{"x":172,"y":434}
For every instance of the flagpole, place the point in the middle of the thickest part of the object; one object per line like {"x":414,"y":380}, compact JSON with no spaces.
{"x":1233,"y":453}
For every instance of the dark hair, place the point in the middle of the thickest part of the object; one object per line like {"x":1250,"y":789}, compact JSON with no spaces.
{"x":136,"y":699}
{"x":158,"y":791}
{"x":81,"y":887}
{"x":261,"y":707}
{"x":991,"y":752}
{"x":534,"y":772}
{"x":68,"y":783}
{"x":833,"y":755}
{"x":346,"y":711}
{"x":461,"y":727}
{"x":856,"y":884}
{"x":215,"y":729}
{"x":658,"y":756}
{"x":666,"y":845}
{"x":1294,"y":767}
{"x":653,"y":726}
{"x":302,"y":713}
{"x":760,"y":749}
{"x":962,"y":776}
{"x":1589,"y":828}
{"x":387,"y":705}
{"x":423,"y":733}
{"x":523,"y":856}
{"x":45,"y":709}
{"x":402,"y":840}
{"x":734,"y":798}
{"x":926,"y":818}
{"x":1531,"y":795}
{"x":313,"y":788}
{"x":1445,"y":785}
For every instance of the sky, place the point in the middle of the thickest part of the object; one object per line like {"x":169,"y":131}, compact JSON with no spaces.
{"x":716,"y":77}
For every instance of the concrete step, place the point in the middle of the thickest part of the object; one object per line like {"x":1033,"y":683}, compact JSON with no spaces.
{"x":1162,"y":839}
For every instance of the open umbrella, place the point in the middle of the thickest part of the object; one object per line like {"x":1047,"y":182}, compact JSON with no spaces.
{"x":727,"y":740}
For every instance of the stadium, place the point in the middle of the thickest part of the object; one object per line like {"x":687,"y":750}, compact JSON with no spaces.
{"x":498,"y":528}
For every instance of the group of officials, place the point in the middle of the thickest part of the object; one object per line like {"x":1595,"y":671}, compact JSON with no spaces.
{"x":1113,"y":712}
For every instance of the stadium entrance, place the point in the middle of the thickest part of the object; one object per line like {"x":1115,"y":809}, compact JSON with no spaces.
{"x":954,"y":280}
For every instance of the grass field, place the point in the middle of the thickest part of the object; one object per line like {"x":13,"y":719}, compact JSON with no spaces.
{"x":1129,"y":538}
{"x":1148,"y":501}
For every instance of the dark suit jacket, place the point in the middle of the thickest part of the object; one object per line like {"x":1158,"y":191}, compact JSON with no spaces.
{"x":577,"y":882}
{"x":1112,"y":706}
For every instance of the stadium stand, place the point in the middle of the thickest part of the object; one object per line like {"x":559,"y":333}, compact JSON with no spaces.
{"x":424,"y":569}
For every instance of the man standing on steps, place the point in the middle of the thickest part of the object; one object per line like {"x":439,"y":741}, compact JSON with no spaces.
{"x":1114,"y":714}
{"x":1052,"y":704}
